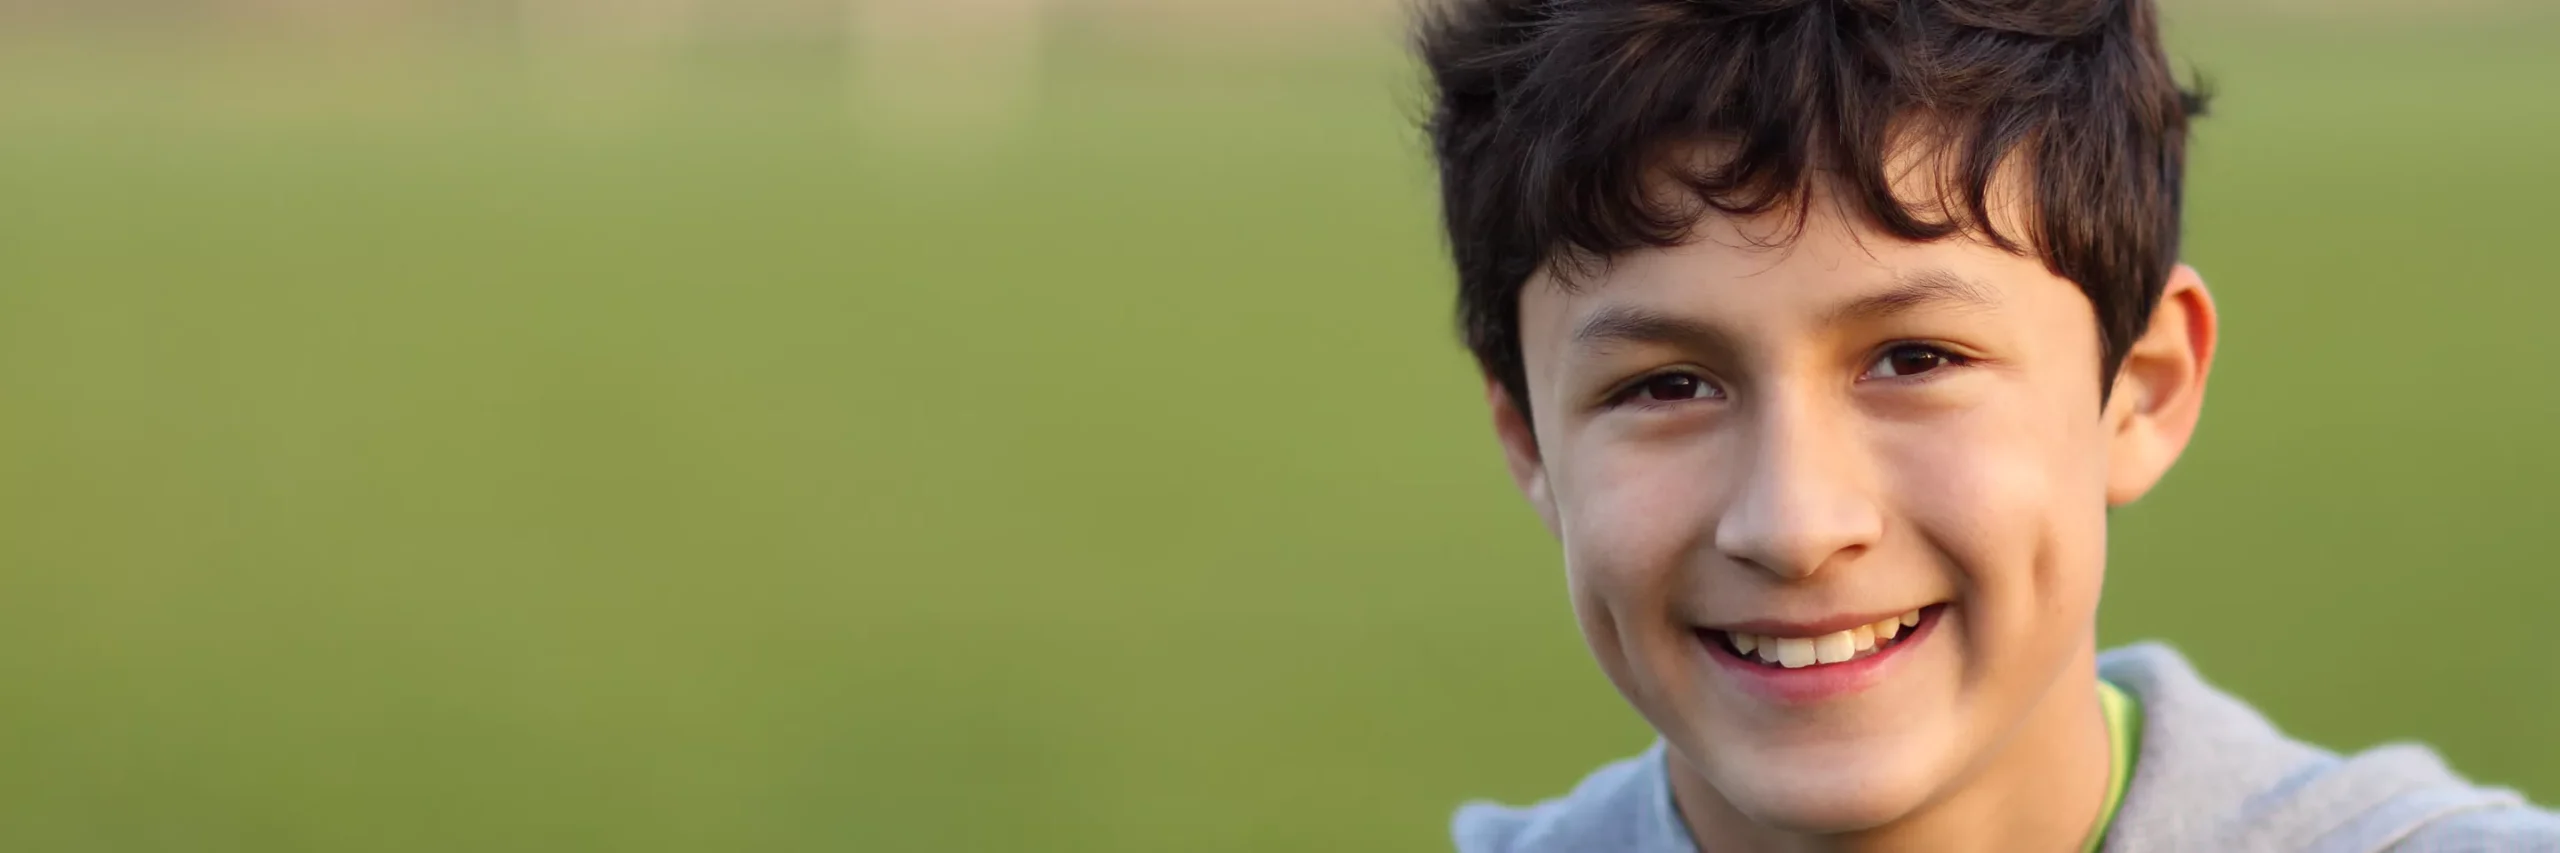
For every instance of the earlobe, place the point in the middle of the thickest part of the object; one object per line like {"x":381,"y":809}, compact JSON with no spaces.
{"x":1520,"y":451}
{"x":2158,"y":396}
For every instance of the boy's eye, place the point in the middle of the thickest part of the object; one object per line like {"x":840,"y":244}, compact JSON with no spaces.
{"x":1673,"y":388}
{"x":1911,"y":360}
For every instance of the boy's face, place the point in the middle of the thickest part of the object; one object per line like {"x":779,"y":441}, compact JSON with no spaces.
{"x":1738,"y":444}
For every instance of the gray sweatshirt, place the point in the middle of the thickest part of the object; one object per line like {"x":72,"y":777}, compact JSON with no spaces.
{"x":2213,"y":776}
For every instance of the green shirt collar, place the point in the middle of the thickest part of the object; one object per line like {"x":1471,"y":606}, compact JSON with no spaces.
{"x":2124,"y":738}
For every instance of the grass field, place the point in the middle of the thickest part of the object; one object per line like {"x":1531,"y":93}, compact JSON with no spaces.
{"x":415,"y":460}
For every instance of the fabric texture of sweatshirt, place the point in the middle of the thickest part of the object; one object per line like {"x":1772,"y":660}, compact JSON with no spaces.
{"x":2213,"y":775}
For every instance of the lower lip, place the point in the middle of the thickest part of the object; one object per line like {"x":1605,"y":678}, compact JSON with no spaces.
{"x":1821,"y":682}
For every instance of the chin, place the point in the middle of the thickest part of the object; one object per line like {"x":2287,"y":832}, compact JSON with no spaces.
{"x":1822,"y":795}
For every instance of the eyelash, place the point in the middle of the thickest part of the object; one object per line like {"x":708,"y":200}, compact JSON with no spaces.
{"x":1632,"y":391}
{"x":1952,"y":358}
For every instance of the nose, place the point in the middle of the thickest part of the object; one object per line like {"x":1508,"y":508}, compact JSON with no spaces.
{"x":1802,"y":504}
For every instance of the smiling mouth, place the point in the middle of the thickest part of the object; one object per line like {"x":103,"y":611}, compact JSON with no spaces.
{"x":1837,"y":647}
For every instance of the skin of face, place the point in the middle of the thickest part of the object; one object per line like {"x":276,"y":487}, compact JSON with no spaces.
{"x":1797,"y":425}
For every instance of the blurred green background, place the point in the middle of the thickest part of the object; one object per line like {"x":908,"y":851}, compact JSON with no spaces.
{"x":429,"y":430}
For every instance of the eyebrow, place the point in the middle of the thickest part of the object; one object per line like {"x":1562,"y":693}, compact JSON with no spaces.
{"x":1913,"y":290}
{"x":1927,"y":287}
{"x":1628,"y":324}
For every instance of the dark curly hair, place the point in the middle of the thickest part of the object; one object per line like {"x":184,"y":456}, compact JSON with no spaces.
{"x":1551,"y":120}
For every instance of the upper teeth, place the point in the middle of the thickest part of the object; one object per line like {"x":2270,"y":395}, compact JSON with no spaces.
{"x":1834,"y":647}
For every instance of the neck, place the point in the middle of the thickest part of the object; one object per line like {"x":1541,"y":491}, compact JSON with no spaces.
{"x":2041,"y":789}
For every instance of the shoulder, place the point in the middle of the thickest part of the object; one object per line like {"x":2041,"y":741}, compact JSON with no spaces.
{"x":2402,"y":797}
{"x":2496,"y":829}
{"x":1624,"y":806}
{"x":2214,"y":774}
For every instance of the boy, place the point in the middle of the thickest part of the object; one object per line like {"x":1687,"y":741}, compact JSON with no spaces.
{"x":1823,"y":334}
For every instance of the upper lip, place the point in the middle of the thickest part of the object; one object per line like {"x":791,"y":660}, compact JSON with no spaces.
{"x":1811,"y":628}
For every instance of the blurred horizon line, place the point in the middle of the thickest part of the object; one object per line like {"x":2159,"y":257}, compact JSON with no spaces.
{"x":670,"y":24}
{"x":948,"y":66}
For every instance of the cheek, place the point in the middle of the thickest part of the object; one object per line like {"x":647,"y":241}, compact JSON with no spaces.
{"x":2015,"y":497}
{"x":1632,"y":521}
{"x":1632,"y":518}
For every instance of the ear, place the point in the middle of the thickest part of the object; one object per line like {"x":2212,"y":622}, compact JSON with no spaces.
{"x":1520,"y":451}
{"x":2159,"y":391}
